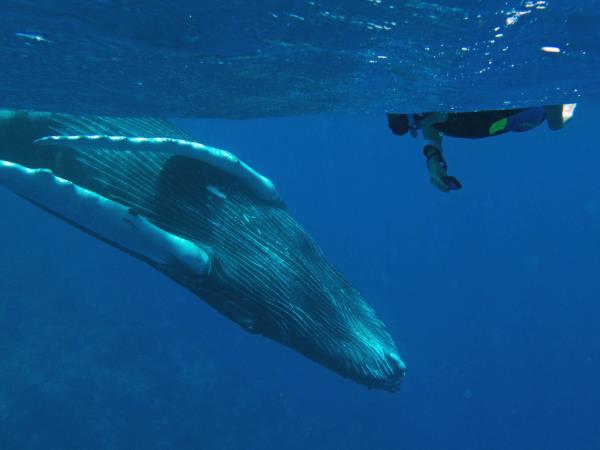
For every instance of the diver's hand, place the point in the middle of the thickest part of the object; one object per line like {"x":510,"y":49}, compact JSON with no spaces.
{"x":438,"y":171}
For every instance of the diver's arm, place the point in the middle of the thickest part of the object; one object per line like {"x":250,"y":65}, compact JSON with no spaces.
{"x":432,"y":137}
{"x":438,"y":170}
{"x":432,"y":119}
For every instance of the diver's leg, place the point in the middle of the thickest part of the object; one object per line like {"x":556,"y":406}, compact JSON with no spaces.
{"x":554,"y":116}
{"x":558,"y":115}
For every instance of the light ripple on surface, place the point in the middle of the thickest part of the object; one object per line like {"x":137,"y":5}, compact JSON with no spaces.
{"x":273,"y":58}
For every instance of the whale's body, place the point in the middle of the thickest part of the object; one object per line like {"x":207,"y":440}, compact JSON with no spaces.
{"x":206,"y":220}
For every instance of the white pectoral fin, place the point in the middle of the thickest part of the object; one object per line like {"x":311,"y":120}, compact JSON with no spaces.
{"x":220,"y":159}
{"x":104,"y":218}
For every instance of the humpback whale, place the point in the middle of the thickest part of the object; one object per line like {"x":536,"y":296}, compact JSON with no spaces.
{"x":205,"y":219}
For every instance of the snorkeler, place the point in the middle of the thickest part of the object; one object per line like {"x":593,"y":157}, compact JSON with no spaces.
{"x":472,"y":125}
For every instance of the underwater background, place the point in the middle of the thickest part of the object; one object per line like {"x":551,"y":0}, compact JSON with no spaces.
{"x":491,"y":293}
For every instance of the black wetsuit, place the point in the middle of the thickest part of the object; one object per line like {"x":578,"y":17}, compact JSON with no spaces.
{"x":464,"y":125}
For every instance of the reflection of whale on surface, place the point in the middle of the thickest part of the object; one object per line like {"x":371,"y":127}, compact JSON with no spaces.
{"x":206,"y":220}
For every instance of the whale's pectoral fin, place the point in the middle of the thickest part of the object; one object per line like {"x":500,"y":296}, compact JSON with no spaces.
{"x":108,"y":220}
{"x":260,"y":185}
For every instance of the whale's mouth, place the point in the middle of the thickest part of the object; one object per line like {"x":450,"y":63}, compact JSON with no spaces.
{"x":205,"y":219}
{"x":382,"y":371}
{"x":398,"y":372}
{"x":372,"y":361}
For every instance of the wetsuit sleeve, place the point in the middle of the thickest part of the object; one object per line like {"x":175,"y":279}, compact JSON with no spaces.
{"x":432,"y":137}
{"x":432,"y":119}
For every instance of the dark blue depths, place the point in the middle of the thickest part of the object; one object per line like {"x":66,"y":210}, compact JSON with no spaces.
{"x":491,"y":294}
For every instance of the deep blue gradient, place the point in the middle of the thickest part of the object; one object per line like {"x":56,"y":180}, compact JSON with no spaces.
{"x":491,"y":293}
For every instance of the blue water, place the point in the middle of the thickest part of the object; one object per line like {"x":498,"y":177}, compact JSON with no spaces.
{"x":241,"y":59}
{"x":491,"y":293}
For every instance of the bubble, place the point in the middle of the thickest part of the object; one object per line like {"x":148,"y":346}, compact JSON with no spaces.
{"x":549,"y":49}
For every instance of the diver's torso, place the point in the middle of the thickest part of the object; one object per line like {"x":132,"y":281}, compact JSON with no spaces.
{"x":482,"y":124}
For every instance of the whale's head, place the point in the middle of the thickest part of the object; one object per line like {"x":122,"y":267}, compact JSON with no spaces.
{"x":286,"y":290}
{"x":269,"y":275}
{"x":208,"y":221}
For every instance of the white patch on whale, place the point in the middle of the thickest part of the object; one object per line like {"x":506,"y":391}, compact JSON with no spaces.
{"x":216,"y":191}
{"x":106,"y":218}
